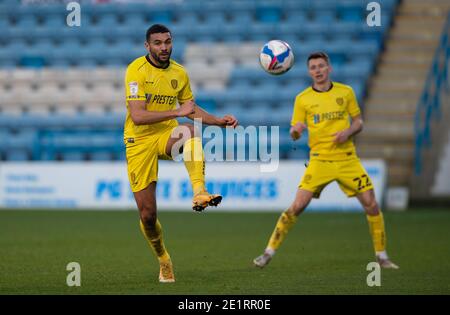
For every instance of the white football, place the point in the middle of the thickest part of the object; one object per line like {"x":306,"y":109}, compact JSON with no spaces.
{"x":276,"y":57}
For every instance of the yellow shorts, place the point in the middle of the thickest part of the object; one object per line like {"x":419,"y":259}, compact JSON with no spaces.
{"x":142,"y":158}
{"x":350,"y":175}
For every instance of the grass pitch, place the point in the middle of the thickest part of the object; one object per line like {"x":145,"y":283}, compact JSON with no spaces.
{"x":325,"y":253}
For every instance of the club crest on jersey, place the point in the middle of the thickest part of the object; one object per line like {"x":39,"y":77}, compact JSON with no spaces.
{"x":174,"y":83}
{"x":308,"y":178}
{"x":340,"y":101}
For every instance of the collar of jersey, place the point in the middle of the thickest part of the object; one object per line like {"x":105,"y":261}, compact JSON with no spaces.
{"x":156,"y":66}
{"x":331,"y":86}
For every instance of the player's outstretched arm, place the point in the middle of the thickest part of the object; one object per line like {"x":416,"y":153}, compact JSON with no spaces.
{"x":208,"y":119}
{"x":141,"y":116}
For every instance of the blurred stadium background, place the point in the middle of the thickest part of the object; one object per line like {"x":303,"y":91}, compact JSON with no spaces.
{"x":62,"y":94}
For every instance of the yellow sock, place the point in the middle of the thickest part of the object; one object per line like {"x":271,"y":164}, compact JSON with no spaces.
{"x":194,"y":161}
{"x":154,"y":238}
{"x":376,"y":228}
{"x":284,"y":224}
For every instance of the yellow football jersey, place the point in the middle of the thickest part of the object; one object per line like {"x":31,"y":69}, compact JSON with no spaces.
{"x":161,"y":88}
{"x":326,"y":113}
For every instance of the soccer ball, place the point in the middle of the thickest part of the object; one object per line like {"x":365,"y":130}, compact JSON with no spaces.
{"x":276,"y":57}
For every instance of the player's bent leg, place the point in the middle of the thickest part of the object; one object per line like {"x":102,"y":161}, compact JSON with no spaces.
{"x":152,"y":230}
{"x":195,"y":164}
{"x":285,"y":222}
{"x":375,"y":220}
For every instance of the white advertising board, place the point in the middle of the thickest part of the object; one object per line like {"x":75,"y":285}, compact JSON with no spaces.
{"x":96,"y":185}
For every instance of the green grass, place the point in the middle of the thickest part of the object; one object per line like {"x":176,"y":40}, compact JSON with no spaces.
{"x":325,"y":253}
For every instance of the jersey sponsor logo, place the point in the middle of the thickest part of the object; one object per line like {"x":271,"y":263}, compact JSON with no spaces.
{"x":174,"y":83}
{"x":133,"y":86}
{"x":164,"y":99}
{"x":340,"y":115}
{"x":340,"y":101}
{"x":316,"y":118}
{"x":148,"y":97}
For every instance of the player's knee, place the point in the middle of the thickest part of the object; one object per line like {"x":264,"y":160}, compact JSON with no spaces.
{"x":148,"y":216}
{"x":148,"y":219}
{"x":371,"y":207}
{"x":297,"y":207}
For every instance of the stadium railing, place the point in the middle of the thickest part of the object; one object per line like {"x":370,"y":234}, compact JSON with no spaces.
{"x":429,"y":109}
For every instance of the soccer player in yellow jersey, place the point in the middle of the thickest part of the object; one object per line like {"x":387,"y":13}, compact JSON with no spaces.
{"x":154,"y":84}
{"x":325,"y":109}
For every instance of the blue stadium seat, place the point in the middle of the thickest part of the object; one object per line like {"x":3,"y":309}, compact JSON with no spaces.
{"x":4,"y":22}
{"x":101,"y":156}
{"x":205,"y":33}
{"x":268,"y":13}
{"x":262,"y":32}
{"x":137,"y":20}
{"x":28,"y":22}
{"x":160,"y":16}
{"x":237,"y":5}
{"x":32,"y":61}
{"x":296,"y":16}
{"x":217,"y":18}
{"x":17,"y":155}
{"x":55,"y":21}
{"x":351,"y":12}
{"x":325,"y":16}
{"x":231,"y":33}
{"x":242,"y":18}
{"x":119,"y":156}
{"x":108,"y":20}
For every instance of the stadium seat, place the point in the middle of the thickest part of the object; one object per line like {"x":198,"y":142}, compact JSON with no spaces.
{"x":17,"y":155}
{"x":268,"y":13}
{"x":100,"y":156}
{"x":160,"y":16}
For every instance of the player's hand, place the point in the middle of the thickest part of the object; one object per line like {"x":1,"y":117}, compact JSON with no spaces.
{"x":297,"y":130}
{"x":227,"y":120}
{"x":230,"y":121}
{"x":341,"y":136}
{"x":186,"y":109}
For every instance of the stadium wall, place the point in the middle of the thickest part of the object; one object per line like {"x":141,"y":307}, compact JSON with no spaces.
{"x":104,"y":185}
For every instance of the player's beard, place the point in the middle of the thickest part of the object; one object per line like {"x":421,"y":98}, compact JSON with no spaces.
{"x":163,"y":63}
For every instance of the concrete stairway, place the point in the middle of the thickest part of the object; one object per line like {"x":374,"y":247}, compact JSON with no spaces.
{"x":395,"y":89}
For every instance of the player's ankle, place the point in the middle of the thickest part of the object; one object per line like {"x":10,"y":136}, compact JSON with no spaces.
{"x":269,"y":251}
{"x":199,"y":189}
{"x":382,"y":255}
{"x":164,"y":257}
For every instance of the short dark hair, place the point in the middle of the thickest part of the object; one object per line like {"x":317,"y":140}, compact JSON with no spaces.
{"x":156,"y":28}
{"x":317,"y":55}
